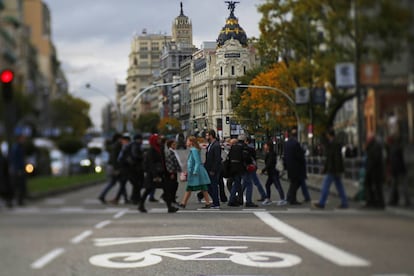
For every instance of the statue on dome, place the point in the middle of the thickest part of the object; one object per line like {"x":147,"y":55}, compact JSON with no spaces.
{"x":231,"y":6}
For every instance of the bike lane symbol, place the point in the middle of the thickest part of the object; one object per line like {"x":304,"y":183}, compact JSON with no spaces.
{"x":235,"y":254}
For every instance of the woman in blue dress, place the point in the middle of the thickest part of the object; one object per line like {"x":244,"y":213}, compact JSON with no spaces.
{"x":197,"y":176}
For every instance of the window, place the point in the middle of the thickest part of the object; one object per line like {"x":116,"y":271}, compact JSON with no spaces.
{"x":232,"y":70}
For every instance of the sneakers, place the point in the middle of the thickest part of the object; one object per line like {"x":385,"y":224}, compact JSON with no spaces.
{"x":266,"y":202}
{"x":282,"y":202}
{"x":102,"y":200}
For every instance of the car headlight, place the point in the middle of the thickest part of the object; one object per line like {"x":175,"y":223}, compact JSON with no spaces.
{"x":85,"y":162}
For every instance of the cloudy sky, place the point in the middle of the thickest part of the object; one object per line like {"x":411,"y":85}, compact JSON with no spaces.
{"x":93,"y":37}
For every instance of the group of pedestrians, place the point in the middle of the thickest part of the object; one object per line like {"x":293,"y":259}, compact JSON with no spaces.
{"x":144,"y":170}
{"x":234,"y":168}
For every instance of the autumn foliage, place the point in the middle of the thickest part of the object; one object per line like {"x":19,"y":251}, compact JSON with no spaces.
{"x":270,"y":106}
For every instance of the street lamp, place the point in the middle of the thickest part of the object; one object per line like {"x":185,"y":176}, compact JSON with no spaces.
{"x":283,"y":93}
{"x":154,"y":86}
{"x":119,"y":124}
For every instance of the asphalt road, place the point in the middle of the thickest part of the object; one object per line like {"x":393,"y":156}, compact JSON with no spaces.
{"x":74,"y":234}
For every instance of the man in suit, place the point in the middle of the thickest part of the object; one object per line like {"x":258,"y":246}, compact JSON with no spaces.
{"x":294,"y":162}
{"x":213,"y":166}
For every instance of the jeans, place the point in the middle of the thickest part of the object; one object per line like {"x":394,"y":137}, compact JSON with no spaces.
{"x":248,"y":186}
{"x":274,"y":179}
{"x":235,"y":188}
{"x":326,"y":184}
{"x":256,"y":181}
{"x":112,"y":181}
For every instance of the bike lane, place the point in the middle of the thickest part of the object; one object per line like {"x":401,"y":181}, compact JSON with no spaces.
{"x":204,"y":243}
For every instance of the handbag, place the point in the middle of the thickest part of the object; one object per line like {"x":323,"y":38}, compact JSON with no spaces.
{"x":251,"y":168}
{"x":183,"y":176}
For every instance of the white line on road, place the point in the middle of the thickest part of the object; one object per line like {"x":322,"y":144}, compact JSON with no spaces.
{"x":102,"y":224}
{"x":120,"y":214}
{"x":40,"y":263}
{"x":81,"y":236}
{"x":321,"y":248}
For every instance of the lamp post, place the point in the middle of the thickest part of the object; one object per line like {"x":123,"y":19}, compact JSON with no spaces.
{"x":154,"y":86}
{"x":283,"y":93}
{"x":119,"y":123}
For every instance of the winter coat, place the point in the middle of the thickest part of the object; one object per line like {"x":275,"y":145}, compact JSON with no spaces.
{"x":196,"y":173}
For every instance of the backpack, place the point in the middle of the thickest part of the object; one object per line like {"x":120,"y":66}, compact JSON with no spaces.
{"x":131,"y":155}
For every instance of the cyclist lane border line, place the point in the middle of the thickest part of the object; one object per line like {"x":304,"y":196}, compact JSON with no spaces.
{"x":323,"y":249}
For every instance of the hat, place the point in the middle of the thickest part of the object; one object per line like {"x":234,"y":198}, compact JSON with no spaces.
{"x":126,"y":136}
{"x":137,"y":136}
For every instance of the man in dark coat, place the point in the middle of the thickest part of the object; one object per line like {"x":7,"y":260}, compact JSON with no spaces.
{"x":294,"y":163}
{"x":213,"y":166}
{"x":374,"y":174}
{"x":334,"y":167}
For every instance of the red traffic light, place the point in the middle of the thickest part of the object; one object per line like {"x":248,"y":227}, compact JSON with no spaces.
{"x":6,"y":76}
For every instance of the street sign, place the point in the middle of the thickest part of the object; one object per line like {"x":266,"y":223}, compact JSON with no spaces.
{"x":345,"y":74}
{"x":302,"y":95}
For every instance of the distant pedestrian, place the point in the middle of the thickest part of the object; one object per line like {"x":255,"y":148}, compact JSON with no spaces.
{"x":113,"y":169}
{"x":17,"y":169}
{"x":334,"y":167}
{"x":294,"y":162}
{"x":6,"y":191}
{"x":197,"y":176}
{"x":398,"y":172}
{"x":374,"y":174}
{"x":123,"y":172}
{"x":272,"y":174}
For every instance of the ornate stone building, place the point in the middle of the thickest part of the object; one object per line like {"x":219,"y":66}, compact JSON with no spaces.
{"x":215,"y":69}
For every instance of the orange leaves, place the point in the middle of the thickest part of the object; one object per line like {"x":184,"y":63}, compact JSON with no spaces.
{"x":269,"y":99}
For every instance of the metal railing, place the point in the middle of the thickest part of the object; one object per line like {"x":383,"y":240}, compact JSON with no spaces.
{"x":352,"y":166}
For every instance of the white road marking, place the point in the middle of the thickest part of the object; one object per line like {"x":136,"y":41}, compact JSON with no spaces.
{"x":81,"y":236}
{"x":54,"y":201}
{"x":40,"y":263}
{"x":128,"y":240}
{"x":102,"y":224}
{"x":321,"y":248}
{"x":120,"y":214}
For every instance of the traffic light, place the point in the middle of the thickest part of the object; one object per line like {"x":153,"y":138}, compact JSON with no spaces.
{"x":227,"y":120}
{"x":6,"y":78}
{"x":195,"y":124}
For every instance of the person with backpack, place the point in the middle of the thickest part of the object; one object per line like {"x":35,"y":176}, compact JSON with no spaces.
{"x":240,"y":158}
{"x":131,"y":162}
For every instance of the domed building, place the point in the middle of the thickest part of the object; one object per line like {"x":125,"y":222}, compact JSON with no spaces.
{"x":215,"y":69}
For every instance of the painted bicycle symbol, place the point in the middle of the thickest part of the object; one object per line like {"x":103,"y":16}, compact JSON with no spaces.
{"x":264,"y":259}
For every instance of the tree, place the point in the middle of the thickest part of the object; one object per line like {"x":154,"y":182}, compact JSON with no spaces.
{"x":169,"y":125}
{"x":268,"y":107}
{"x":311,"y":36}
{"x":147,"y":122}
{"x":70,"y":112}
